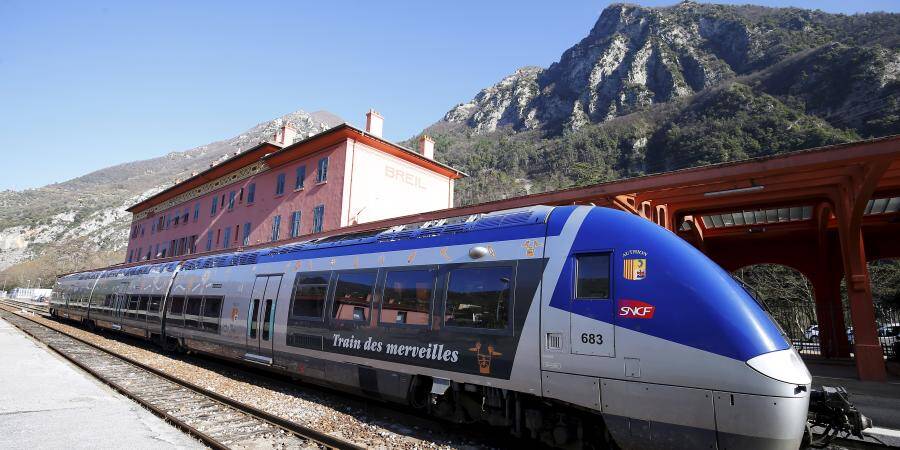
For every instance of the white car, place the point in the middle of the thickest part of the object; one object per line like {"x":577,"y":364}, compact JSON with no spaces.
{"x":812,"y":332}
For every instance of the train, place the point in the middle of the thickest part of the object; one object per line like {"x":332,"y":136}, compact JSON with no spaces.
{"x":577,"y":326}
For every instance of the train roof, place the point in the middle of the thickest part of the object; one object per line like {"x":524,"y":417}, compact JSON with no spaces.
{"x":531,"y":215}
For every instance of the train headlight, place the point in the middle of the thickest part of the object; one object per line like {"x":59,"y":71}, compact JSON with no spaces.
{"x":782,"y":365}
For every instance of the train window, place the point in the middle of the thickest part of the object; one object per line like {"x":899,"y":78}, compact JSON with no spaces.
{"x":153,"y":309}
{"x":478,"y":297}
{"x":192,"y":307}
{"x":212,"y":309}
{"x":132,"y":307}
{"x":176,"y":306}
{"x":353,"y":295}
{"x":592,"y":275}
{"x":142,"y":307}
{"x":308,"y":299}
{"x":267,"y":320}
{"x":406,"y":298}
{"x":254,"y":318}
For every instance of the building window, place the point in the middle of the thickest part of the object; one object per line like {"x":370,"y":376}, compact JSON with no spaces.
{"x":276,"y":227}
{"x":196,"y":212}
{"x":478,"y":297}
{"x":279,"y":185}
{"x":168,"y":221}
{"x":177,"y":218}
{"x":227,"y":241}
{"x":208,"y":240}
{"x":318,"y":218}
{"x":156,"y":251}
{"x":301,"y":175}
{"x":153,"y":228}
{"x":322,"y":173}
{"x":142,"y":230}
{"x":215,"y":205}
{"x":231,"y":197}
{"x":246,"y":233}
{"x":295,"y":224}
{"x":184,"y":217}
{"x":130,"y":253}
{"x":251,"y":193}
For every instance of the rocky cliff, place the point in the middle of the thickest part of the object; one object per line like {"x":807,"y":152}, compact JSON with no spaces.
{"x":635,"y":57}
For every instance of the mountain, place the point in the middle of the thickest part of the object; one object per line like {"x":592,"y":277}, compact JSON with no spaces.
{"x":656,"y":89}
{"x":635,"y":57}
{"x":647,"y":90}
{"x":82,"y":222}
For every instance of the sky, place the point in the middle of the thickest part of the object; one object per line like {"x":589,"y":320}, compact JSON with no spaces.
{"x":85,"y":85}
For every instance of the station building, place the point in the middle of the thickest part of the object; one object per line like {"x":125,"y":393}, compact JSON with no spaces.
{"x":285,"y":188}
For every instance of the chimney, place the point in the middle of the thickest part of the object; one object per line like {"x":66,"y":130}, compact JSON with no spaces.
{"x":374,"y":123}
{"x":426,"y":146}
{"x":285,"y":135}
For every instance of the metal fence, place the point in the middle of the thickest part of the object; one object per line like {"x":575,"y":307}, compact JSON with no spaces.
{"x":799,"y":323}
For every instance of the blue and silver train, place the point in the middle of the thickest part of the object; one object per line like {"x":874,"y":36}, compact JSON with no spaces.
{"x":575,"y":325}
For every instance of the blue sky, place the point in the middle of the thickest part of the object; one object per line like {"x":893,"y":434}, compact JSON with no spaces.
{"x":84,"y":85}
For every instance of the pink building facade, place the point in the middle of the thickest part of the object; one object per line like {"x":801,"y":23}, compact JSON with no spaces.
{"x":281,"y":189}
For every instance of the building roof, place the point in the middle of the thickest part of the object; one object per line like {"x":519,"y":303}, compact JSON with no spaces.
{"x":788,"y":180}
{"x":276,"y":155}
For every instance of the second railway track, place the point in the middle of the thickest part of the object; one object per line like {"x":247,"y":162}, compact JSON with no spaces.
{"x":217,"y":421}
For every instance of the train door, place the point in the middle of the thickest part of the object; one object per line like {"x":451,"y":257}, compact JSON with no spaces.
{"x":120,"y":303}
{"x":591,"y":306}
{"x":261,"y":319}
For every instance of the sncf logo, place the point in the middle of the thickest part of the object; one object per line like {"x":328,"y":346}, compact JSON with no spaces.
{"x":635,"y":309}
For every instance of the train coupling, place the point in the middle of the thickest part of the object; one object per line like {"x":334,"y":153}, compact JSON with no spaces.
{"x":831,"y":411}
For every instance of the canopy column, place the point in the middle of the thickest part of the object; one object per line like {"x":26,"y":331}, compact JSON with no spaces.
{"x":850,"y":205}
{"x":826,"y":281}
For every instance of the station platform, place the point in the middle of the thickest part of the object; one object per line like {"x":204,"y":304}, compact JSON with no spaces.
{"x":877,"y":401}
{"x":45,"y":402}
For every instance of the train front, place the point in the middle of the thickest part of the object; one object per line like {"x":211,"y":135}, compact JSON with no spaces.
{"x":705,"y":357}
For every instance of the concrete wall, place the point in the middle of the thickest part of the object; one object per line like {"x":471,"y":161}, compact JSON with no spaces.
{"x":382,"y":186}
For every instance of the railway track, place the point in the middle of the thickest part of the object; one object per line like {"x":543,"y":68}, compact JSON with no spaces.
{"x":277,"y":422}
{"x":37,"y":308}
{"x":217,"y":421}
